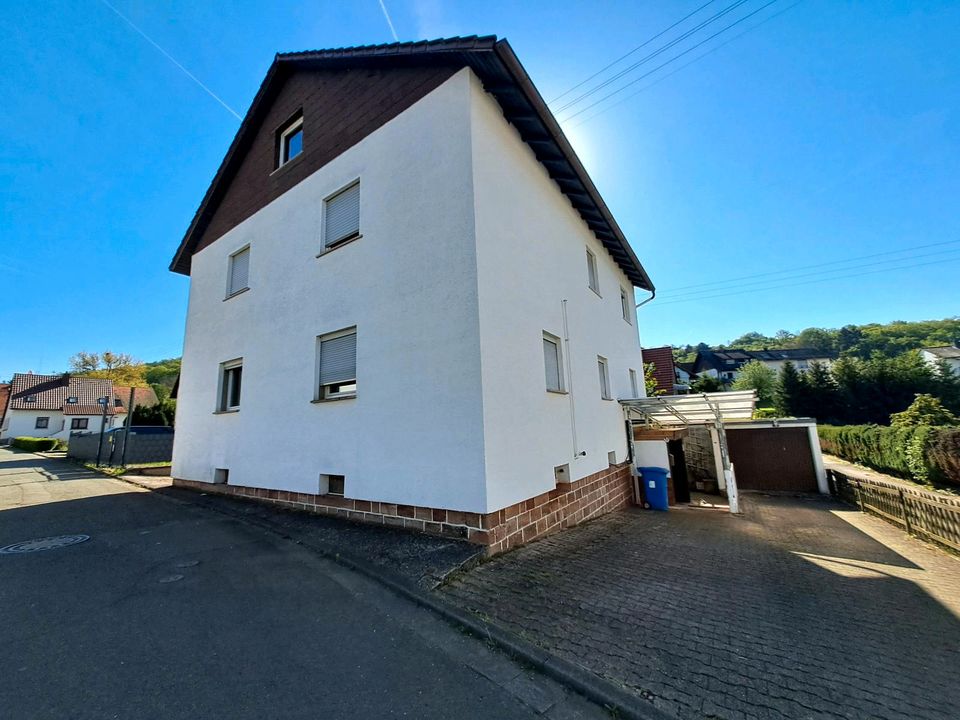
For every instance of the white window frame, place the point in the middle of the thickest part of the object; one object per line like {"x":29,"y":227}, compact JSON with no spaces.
{"x":320,"y":391}
{"x":634,"y":384}
{"x":223,"y":389}
{"x":603,"y":377}
{"x":324,"y":247}
{"x":625,"y":305}
{"x":593,"y":272}
{"x":231,"y":291}
{"x":282,"y":157}
{"x":551,"y":338}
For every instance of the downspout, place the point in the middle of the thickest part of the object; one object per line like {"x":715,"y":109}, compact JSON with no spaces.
{"x":569,"y":366}
{"x":653,"y":294}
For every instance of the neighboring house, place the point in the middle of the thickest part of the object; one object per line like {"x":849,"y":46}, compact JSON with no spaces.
{"x":725,"y":364}
{"x":685,"y":375}
{"x":56,"y":405}
{"x":949,"y":354}
{"x":142,"y":396}
{"x":664,"y":371}
{"x":408,"y":302}
{"x":4,"y":398}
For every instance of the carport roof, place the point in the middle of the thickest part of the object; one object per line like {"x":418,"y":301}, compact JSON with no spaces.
{"x":702,"y":409}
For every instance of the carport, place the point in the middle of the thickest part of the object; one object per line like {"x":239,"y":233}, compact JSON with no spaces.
{"x":651,"y":419}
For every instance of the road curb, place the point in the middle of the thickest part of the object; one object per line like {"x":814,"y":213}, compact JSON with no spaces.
{"x":618,"y":701}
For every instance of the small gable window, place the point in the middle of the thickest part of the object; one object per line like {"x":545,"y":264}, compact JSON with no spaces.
{"x":30,"y":398}
{"x":72,"y":400}
{"x":291,"y":141}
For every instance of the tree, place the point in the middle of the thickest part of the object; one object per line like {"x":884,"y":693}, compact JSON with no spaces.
{"x":821,"y":394}
{"x":788,"y":396}
{"x":925,"y":410}
{"x":649,"y":381}
{"x":705,"y":383}
{"x":162,"y":372}
{"x":121,"y":368}
{"x":754,"y":375}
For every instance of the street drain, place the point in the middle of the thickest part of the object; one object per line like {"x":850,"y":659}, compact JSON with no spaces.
{"x":49,"y":543}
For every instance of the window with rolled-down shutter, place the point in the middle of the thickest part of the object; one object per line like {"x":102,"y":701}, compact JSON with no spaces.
{"x":338,"y":365}
{"x":342,"y":216}
{"x":239,"y":272}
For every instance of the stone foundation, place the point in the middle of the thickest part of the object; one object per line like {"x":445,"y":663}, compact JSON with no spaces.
{"x":568,"y":505}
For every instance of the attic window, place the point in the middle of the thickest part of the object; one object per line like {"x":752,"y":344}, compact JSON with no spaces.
{"x":72,"y":400}
{"x":30,"y":398}
{"x":291,"y":141}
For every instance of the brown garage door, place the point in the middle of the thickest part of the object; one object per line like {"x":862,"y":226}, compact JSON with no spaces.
{"x":772,"y":459}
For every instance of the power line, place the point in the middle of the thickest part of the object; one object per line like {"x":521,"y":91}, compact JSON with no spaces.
{"x":693,"y":294}
{"x":818,"y":265}
{"x":662,"y":49}
{"x":170,"y":57}
{"x":686,"y":65}
{"x":638,"y":47}
{"x":673,"y":59}
{"x":809,"y":282}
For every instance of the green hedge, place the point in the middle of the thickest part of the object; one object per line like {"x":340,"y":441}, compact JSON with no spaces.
{"x":34,"y":444}
{"x":923,"y":453}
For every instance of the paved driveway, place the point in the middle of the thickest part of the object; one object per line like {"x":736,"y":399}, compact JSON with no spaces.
{"x":800,"y":608}
{"x":172,"y":610}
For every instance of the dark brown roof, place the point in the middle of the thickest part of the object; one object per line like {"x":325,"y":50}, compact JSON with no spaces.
{"x":50,"y":392}
{"x":663,"y":372}
{"x":142,"y":396}
{"x":503,"y":76}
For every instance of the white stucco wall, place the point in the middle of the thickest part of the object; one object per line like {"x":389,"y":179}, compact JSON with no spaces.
{"x":467,"y":251}
{"x":933,"y":360}
{"x":531,"y":256}
{"x":23,"y":423}
{"x":414,"y":432}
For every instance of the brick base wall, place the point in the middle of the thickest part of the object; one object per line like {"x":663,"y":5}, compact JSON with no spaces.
{"x":568,"y":505}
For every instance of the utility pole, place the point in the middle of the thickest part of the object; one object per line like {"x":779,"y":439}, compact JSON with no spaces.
{"x":126,"y":430}
{"x":103,"y":426}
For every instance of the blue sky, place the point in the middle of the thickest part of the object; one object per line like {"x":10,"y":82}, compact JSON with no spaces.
{"x":828,"y":133}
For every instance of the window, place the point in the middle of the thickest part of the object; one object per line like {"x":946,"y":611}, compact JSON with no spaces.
{"x":291,"y":141}
{"x":337,"y":365}
{"x":231,"y":373}
{"x":552,"y":363}
{"x":331,"y":485}
{"x":72,"y":400}
{"x":117,"y":402}
{"x":30,"y":398}
{"x":79,"y":423}
{"x":593,"y":280}
{"x":341,"y":216}
{"x":239,"y":271}
{"x":634,"y":387}
{"x":42,"y":423}
{"x":625,"y":306}
{"x":604,"y":378}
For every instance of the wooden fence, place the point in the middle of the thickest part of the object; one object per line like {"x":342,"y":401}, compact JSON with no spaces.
{"x":929,"y":515}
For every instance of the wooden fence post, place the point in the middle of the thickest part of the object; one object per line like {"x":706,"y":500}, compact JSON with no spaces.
{"x":906,"y":516}
{"x":859,"y":500}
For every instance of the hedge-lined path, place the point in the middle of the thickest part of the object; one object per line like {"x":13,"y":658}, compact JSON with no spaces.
{"x":800,"y":608}
{"x":851,"y":470}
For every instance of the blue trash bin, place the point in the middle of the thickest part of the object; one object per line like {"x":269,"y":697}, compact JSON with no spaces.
{"x":655,"y":486}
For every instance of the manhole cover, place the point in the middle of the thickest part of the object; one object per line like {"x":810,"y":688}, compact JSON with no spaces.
{"x":50,"y":543}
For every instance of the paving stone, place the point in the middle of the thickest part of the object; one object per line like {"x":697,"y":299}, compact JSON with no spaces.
{"x":799,"y":608}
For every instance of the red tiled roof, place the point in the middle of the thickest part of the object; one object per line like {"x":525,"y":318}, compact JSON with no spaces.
{"x":663,"y":372}
{"x":4,"y":397}
{"x":71,"y":409}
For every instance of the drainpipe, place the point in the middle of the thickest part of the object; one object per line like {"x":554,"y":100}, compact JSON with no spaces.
{"x":569,"y":365}
{"x":653,"y":294}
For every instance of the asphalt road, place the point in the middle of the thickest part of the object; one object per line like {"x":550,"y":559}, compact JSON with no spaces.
{"x":172,"y":611}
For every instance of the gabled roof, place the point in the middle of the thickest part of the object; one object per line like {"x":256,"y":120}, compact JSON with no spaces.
{"x":733,"y":358}
{"x":50,"y":392}
{"x":142,"y":396}
{"x":945,"y":352}
{"x":503,"y":77}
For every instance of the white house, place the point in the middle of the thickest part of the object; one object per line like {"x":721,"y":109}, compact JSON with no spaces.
{"x":949,"y":354}
{"x":402,"y":259}
{"x":56,"y":405}
{"x":725,"y":364}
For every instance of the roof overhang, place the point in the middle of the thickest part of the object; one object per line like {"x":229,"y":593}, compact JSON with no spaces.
{"x":685,"y":410}
{"x":502,"y":75}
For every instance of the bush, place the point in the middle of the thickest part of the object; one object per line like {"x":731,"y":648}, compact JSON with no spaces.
{"x":32,"y":444}
{"x":921,"y":453}
{"x":765,"y":413}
